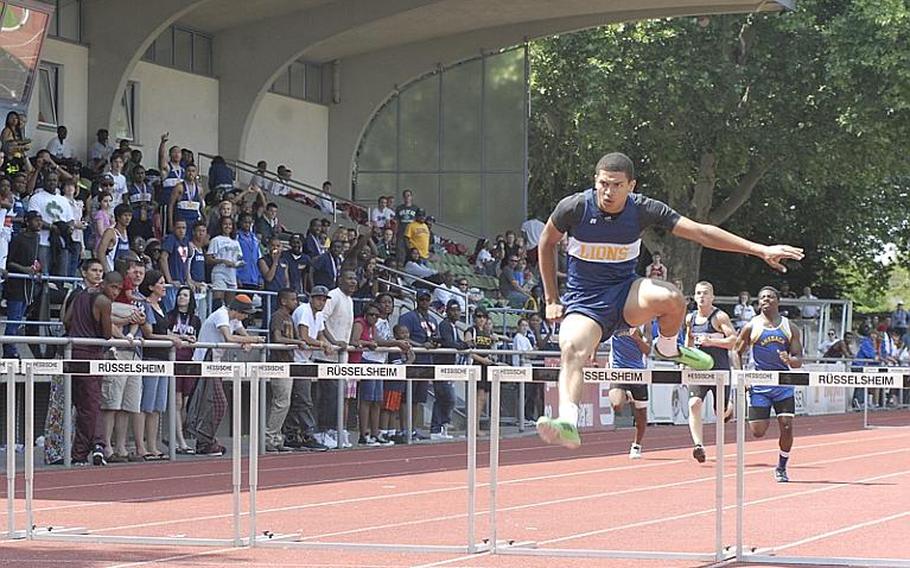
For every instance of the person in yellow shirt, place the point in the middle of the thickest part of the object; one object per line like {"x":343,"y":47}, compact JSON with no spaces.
{"x":418,"y":234}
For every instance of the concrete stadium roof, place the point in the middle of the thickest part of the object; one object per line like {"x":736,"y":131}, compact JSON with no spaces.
{"x":398,"y":22}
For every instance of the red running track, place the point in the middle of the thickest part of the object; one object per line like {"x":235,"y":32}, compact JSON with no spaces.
{"x":850,"y":496}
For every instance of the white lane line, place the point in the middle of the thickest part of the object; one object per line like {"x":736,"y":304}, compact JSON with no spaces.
{"x":727,"y":507}
{"x":373,"y":478}
{"x":829,"y":534}
{"x":462,"y":515}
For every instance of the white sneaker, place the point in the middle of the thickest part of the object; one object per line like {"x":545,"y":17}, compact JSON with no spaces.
{"x":346,"y":439}
{"x":328,"y":440}
{"x":437,"y":436}
{"x":635,"y":452}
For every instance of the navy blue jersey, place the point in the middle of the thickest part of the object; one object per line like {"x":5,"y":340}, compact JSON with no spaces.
{"x":603,"y":249}
{"x":767,"y":345}
{"x":705,"y":329}
{"x":625,"y":353}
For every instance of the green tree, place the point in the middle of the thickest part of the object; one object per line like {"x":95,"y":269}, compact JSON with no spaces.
{"x":781,"y":127}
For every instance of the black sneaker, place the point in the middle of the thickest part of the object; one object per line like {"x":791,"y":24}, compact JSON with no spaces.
{"x":282,"y":449}
{"x":699,"y":454}
{"x":780,"y":475}
{"x":384,"y":440}
{"x":310,"y":444}
{"x":98,"y":456}
{"x":215,"y":451}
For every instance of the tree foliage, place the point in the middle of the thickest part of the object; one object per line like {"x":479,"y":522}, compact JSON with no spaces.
{"x":782,"y":127}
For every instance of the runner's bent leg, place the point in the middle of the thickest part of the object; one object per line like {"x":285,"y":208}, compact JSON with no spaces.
{"x":695,"y":420}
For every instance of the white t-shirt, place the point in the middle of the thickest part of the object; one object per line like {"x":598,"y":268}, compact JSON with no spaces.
{"x":119,"y":188}
{"x":339,"y":317}
{"x":809,"y":311}
{"x":520,"y":343}
{"x":223,"y":247}
{"x":383,"y":332}
{"x":314,"y":323}
{"x":211,"y":333}
{"x":100,"y":151}
{"x":59,"y":149}
{"x":532,"y":228}
{"x":53,"y":208}
{"x":78,"y":208}
{"x":381,"y":217}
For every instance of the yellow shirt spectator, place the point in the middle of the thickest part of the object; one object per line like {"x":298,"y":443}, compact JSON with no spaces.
{"x":418,"y":236}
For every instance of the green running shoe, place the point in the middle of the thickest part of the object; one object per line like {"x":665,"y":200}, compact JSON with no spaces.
{"x":690,"y":357}
{"x":558,"y":431}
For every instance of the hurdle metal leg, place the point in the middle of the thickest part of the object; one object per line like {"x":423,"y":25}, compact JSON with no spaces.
{"x":720,"y":401}
{"x":235,"y":453}
{"x":11,"y":452}
{"x":68,"y":412}
{"x":29,"y":451}
{"x":172,"y":410}
{"x":494,"y":456}
{"x":740,"y":464}
{"x":254,"y":451}
{"x":472,"y":465}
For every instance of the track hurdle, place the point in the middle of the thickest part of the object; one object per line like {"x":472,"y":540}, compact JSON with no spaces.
{"x":875,"y":371}
{"x":274,"y":537}
{"x":499,"y":375}
{"x":813,"y":379}
{"x":77,"y":369}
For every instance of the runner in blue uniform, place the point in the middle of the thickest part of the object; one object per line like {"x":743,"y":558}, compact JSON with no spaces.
{"x":775,"y":347}
{"x":628,"y":349}
{"x":603,"y":294}
{"x":709,"y":328}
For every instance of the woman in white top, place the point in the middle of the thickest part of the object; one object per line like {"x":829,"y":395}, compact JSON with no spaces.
{"x":78,"y":207}
{"x":224,"y":256}
{"x":520,"y":342}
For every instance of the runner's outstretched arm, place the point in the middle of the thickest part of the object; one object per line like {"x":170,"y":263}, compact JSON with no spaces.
{"x":716,"y":238}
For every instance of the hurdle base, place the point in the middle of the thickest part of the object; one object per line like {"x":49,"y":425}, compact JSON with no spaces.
{"x":81,"y":534}
{"x":520,"y":549}
{"x":294,"y":541}
{"x":826,"y":561}
{"x":14,"y":535}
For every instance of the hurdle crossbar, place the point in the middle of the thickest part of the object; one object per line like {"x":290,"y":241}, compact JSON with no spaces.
{"x":883,"y":377}
{"x":315,"y":371}
{"x":499,"y":375}
{"x":876,"y":370}
{"x":77,"y":368}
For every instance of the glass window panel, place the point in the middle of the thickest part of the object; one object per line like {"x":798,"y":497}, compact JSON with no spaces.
{"x":183,"y":50}
{"x":378,"y":149}
{"x":69,"y":19}
{"x":425,"y":188}
{"x":124,"y":119}
{"x":314,"y":83}
{"x":47,"y":93}
{"x":503,"y":202}
{"x":20,"y":42}
{"x":370,"y":186}
{"x":418,"y":140}
{"x":461,"y":142}
{"x":202,"y":54}
{"x":461,"y":194}
{"x":298,"y":80}
{"x":53,"y":27}
{"x":164,"y":48}
{"x":504,"y":108}
{"x":282,"y":84}
{"x":149,"y":53}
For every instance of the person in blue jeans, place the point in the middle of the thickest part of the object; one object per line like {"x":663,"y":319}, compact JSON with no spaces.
{"x":20,"y":292}
{"x":450,"y":337}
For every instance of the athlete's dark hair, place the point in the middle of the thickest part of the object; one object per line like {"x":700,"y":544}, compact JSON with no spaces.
{"x":771,"y":289}
{"x":616,"y":162}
